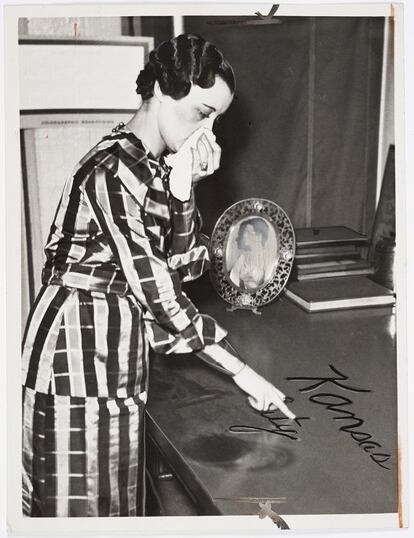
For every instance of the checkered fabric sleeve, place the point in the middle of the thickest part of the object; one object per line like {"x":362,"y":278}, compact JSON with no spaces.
{"x":188,"y":248}
{"x":173,"y":323}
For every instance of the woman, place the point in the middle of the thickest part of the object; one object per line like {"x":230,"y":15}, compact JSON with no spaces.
{"x":253,"y":261}
{"x":120,"y":245}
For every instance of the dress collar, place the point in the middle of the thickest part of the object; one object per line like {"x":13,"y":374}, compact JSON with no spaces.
{"x":158,"y":167}
{"x":153,"y":175}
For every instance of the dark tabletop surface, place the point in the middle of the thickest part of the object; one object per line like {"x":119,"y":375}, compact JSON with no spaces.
{"x":314,"y":468}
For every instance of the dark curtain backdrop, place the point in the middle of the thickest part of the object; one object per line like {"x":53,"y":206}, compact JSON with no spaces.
{"x":303,"y":127}
{"x":160,"y":28}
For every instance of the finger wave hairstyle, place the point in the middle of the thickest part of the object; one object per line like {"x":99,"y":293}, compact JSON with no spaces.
{"x":181,"y":61}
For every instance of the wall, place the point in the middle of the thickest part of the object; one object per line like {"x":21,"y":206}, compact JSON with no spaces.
{"x":47,"y":157}
{"x":70,"y":26}
{"x":387,"y":131}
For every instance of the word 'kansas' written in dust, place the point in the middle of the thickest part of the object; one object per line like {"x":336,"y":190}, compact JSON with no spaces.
{"x":336,"y":403}
{"x":340,"y":406}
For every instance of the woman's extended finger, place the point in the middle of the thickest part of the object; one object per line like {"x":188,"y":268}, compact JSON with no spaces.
{"x":278,"y":402}
{"x":280,"y":393}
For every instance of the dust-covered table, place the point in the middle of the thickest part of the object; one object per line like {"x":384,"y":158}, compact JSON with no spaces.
{"x":338,"y":457}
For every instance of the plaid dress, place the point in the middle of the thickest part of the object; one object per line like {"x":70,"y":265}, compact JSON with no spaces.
{"x":119,"y":248}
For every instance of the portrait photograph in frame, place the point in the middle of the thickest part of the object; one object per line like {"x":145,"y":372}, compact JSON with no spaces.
{"x":251,"y":237}
{"x":299,"y":353}
{"x":252,"y":248}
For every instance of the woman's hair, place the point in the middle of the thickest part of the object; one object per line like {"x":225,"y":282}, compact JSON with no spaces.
{"x":182,"y":61}
{"x":259,"y":226}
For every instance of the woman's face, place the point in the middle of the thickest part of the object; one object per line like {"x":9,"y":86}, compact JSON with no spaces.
{"x":249,"y":236}
{"x":178,"y":119}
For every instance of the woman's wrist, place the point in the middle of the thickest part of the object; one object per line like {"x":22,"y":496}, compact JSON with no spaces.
{"x":224,"y":358}
{"x":242,"y":367}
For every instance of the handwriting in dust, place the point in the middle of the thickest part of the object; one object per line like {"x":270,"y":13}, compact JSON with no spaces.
{"x":333,"y":402}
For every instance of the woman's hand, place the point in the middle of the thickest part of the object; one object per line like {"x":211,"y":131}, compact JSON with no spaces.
{"x":206,"y":155}
{"x":197,"y":158}
{"x":263,"y":396}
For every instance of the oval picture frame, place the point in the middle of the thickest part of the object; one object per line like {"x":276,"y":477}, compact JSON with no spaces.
{"x":252,"y":249}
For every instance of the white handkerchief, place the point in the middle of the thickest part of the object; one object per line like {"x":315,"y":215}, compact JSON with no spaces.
{"x":182,"y":163}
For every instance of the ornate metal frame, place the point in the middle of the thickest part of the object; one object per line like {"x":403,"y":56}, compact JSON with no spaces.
{"x":277,"y":218}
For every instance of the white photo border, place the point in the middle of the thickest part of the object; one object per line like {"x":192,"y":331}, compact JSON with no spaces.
{"x":17,"y":524}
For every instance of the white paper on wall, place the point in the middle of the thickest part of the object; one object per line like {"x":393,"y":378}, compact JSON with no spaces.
{"x":61,"y":76}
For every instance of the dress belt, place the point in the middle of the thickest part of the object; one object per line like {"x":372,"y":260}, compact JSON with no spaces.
{"x":87,"y":282}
